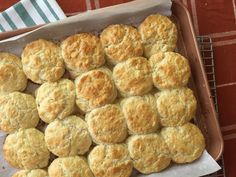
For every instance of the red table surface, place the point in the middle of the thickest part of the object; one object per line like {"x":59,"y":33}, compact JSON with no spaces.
{"x":216,"y":18}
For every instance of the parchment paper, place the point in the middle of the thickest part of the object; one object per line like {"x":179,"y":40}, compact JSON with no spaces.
{"x":94,"y":21}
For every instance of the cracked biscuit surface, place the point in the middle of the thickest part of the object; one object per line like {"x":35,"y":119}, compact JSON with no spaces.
{"x":26,"y":149}
{"x":158,"y":33}
{"x":110,"y":161}
{"x":186,"y":143}
{"x":42,"y":61}
{"x":55,"y":100}
{"x":17,"y":110}
{"x":12,"y":77}
{"x":31,"y":173}
{"x":82,"y":52}
{"x":68,"y":137}
{"x":74,"y":166}
{"x":121,"y":42}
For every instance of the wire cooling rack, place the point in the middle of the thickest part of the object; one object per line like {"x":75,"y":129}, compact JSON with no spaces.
{"x":206,"y":50}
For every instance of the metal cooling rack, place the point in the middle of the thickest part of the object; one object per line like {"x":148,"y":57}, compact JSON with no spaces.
{"x":206,"y":50}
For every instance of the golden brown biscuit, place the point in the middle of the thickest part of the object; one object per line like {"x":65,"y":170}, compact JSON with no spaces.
{"x":107,"y":124}
{"x":42,"y":61}
{"x":170,"y":70}
{"x":176,"y":106}
{"x":110,"y":161}
{"x":26,"y":149}
{"x":94,"y":89}
{"x":55,"y":100}
{"x":121,"y":42}
{"x":186,"y":143}
{"x":141,"y":114}
{"x":69,"y":167}
{"x":82,"y":52}
{"x":77,"y":139}
{"x":158,"y":33}
{"x":133,"y":77}
{"x":149,"y":153}
{"x":12,"y":77}
{"x":17,"y":110}
{"x":31,"y":173}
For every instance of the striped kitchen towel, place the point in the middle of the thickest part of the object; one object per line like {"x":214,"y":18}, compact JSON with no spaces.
{"x":28,"y":13}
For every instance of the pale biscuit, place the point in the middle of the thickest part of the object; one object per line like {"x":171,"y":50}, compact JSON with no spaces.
{"x":55,"y":100}
{"x":94,"y":89}
{"x":82,"y":52}
{"x":42,"y":61}
{"x":68,"y":137}
{"x":186,"y":143}
{"x":12,"y":77}
{"x":107,"y":124}
{"x":17,"y":110}
{"x":69,"y":166}
{"x":170,"y":70}
{"x":110,"y":161}
{"x":149,"y":153}
{"x":26,"y":149}
{"x":141,"y":114}
{"x":121,"y":42}
{"x":176,"y":106}
{"x":133,"y":77}
{"x":31,"y":173}
{"x":158,"y":33}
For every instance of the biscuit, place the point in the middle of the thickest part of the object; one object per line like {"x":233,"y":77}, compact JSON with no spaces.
{"x":12,"y":77}
{"x":110,"y":161}
{"x":94,"y":89}
{"x":31,"y":173}
{"x":149,"y":153}
{"x":107,"y":124}
{"x":55,"y":100}
{"x":176,"y":106}
{"x":77,"y":139}
{"x":186,"y":143}
{"x":121,"y":42}
{"x":169,"y":70}
{"x":69,"y":166}
{"x":133,"y":77}
{"x":82,"y":52}
{"x":42,"y":61}
{"x":158,"y":33}
{"x":17,"y":110}
{"x":26,"y":149}
{"x":141,"y":114}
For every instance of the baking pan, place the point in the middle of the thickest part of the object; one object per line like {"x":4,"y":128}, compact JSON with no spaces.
{"x":206,"y":117}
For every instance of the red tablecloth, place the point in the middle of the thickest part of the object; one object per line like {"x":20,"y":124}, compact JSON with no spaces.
{"x":216,"y":18}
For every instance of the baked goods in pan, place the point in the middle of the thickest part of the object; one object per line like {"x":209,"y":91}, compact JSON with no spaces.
{"x":69,"y":166}
{"x":107,"y":124}
{"x":31,"y":173}
{"x":94,"y":89}
{"x":110,"y":161}
{"x":149,"y":153}
{"x":169,"y":70}
{"x":133,"y":77}
{"x":176,"y":107}
{"x":17,"y":110}
{"x":68,"y":137}
{"x":158,"y":33}
{"x":55,"y":100}
{"x":121,"y":42}
{"x":26,"y":149}
{"x":141,"y":114}
{"x":186,"y":143}
{"x":42,"y":61}
{"x":12,"y":77}
{"x":82,"y":52}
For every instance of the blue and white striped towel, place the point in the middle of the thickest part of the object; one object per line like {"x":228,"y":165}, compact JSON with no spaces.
{"x":28,"y":13}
